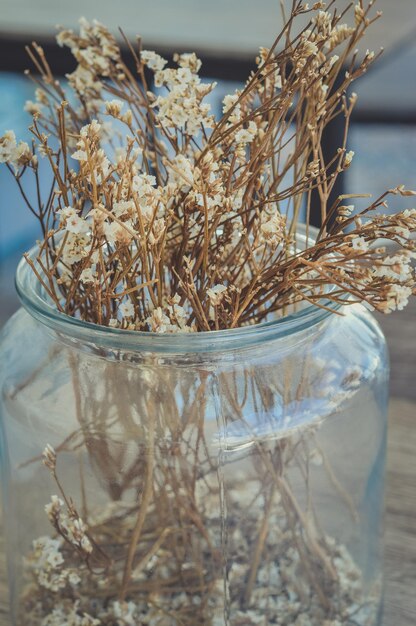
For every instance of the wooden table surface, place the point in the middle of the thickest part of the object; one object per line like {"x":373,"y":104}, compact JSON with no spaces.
{"x":400,"y":537}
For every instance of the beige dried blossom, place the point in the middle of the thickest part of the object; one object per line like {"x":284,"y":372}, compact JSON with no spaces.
{"x":49,"y":457}
{"x":184,"y":226}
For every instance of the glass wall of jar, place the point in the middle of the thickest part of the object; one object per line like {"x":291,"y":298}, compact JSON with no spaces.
{"x":223,"y":478}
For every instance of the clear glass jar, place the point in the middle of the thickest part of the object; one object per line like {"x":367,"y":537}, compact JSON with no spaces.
{"x":223,"y":478}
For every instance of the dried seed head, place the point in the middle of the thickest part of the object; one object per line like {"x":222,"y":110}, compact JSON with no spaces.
{"x":49,"y":457}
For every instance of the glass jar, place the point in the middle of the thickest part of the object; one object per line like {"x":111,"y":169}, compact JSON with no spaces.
{"x":224,"y":478}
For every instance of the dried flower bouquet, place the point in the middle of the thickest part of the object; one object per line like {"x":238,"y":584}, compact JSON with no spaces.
{"x":162,"y":218}
{"x":172,"y":220}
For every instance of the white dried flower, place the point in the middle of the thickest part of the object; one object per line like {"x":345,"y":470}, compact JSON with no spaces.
{"x":125,"y":613}
{"x":34,"y":108}
{"x":334,"y":59}
{"x":119,"y":232}
{"x":348,"y":158}
{"x":91,"y":130}
{"x":158,"y":321}
{"x":359,"y":14}
{"x":63,"y":615}
{"x":46,"y":561}
{"x":7,"y":147}
{"x":72,"y":222}
{"x":153,"y":61}
{"x":126,"y":308}
{"x":74,"y":579}
{"x":272,"y":228}
{"x":75,"y":249}
{"x":188,"y":60}
{"x":88,"y":275}
{"x":53,"y":508}
{"x":246,"y":135}
{"x":397,"y":298}
{"x":12,"y":152}
{"x":114,"y":107}
{"x":181,"y":172}
{"x":80,"y":155}
{"x":49,"y":457}
{"x":216,"y":294}
{"x":123,"y":208}
{"x":359,"y":244}
{"x":346,"y":210}
{"x":230,"y":102}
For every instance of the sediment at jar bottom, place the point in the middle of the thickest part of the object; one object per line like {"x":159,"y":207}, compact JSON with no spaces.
{"x":235,"y":542}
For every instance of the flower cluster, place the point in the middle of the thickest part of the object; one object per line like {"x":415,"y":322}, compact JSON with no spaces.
{"x":46,"y":564}
{"x":69,"y":525}
{"x":180,"y":106}
{"x":277,"y":586}
{"x":68,"y":615}
{"x":13,"y":153}
{"x":164,"y":218}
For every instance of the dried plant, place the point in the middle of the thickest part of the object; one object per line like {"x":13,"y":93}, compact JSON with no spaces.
{"x":162,"y":218}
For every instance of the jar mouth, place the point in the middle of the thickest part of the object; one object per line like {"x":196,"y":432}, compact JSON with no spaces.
{"x":38,"y":304}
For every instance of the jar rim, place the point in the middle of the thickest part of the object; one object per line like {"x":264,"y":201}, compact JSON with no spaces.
{"x":35,"y":300}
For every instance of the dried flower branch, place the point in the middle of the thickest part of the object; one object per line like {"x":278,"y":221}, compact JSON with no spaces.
{"x":163,"y":218}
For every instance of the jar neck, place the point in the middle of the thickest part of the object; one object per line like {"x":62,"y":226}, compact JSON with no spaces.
{"x":296,"y":326}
